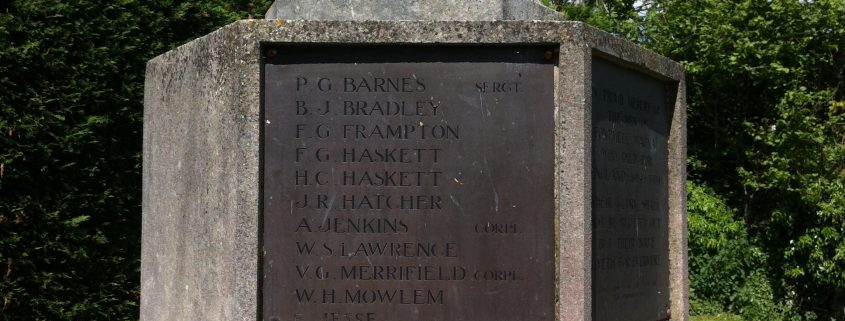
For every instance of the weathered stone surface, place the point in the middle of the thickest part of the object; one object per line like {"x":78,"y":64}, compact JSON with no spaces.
{"x":200,"y":178}
{"x":201,"y":174}
{"x":434,"y":10}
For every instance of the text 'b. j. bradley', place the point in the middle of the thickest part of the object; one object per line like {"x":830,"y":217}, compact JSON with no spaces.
{"x":369,"y":108}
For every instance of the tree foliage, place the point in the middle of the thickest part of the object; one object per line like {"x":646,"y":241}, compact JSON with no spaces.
{"x":765,"y":85}
{"x":719,"y":251}
{"x":71,"y":86}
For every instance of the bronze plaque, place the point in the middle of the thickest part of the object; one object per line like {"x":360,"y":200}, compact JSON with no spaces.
{"x":408,"y":183}
{"x":630,"y":195}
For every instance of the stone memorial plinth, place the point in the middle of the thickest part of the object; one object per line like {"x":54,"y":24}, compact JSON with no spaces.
{"x":413,"y":170}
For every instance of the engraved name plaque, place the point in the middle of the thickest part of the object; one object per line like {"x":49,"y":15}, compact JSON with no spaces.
{"x":408,"y":183}
{"x":630,"y":195}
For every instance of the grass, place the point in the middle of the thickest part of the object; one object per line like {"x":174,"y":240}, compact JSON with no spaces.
{"x":716,"y":317}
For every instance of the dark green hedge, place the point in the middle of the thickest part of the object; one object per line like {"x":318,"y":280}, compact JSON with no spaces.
{"x":71,"y":87}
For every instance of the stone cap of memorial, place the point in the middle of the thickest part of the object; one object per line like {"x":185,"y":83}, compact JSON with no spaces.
{"x":430,"y":10}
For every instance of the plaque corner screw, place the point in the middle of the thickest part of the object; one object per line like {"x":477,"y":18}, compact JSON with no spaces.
{"x":548,"y":55}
